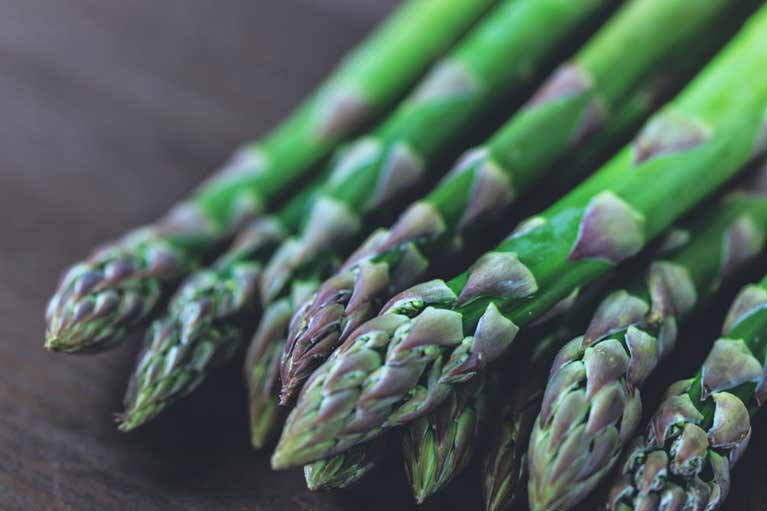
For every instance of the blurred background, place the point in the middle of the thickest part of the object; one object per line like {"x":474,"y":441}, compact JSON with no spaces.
{"x":111,"y":111}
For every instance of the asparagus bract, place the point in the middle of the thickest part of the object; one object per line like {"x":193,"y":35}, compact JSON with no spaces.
{"x":401,"y":364}
{"x":119,"y":286}
{"x":579,"y":107}
{"x":204,"y":324}
{"x":592,"y":404}
{"x":439,"y":445}
{"x":703,"y":426}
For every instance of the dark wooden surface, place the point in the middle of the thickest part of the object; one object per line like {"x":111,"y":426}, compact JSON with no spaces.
{"x":111,"y":110}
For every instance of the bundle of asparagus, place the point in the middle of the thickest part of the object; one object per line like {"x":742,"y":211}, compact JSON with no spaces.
{"x":356,"y":349}
{"x":103,"y":298}
{"x":431,"y":337}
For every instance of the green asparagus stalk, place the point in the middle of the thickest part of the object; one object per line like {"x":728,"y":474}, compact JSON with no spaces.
{"x":703,"y":426}
{"x":205,"y":323}
{"x":345,"y":469}
{"x":592,"y":403}
{"x":119,"y":286}
{"x":439,"y":445}
{"x":576,"y":109}
{"x":401,"y":364}
{"x":499,"y":57}
{"x":504,"y":466}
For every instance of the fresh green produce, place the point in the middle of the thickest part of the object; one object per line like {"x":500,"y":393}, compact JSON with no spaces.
{"x":504,"y":462}
{"x":204,"y":325}
{"x":592,"y":404}
{"x":119,"y":286}
{"x":345,"y":469}
{"x":401,"y":364}
{"x":502,"y":55}
{"x":392,"y":159}
{"x":703,"y":426}
{"x":580,"y":107}
{"x":439,"y":445}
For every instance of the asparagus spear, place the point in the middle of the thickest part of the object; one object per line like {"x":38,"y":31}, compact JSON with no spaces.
{"x":439,"y":445}
{"x":579,"y":100}
{"x":499,"y":57}
{"x":345,"y":469}
{"x":592,"y":403}
{"x":400,"y":365}
{"x":118,"y":287}
{"x":703,"y":426}
{"x":204,"y":324}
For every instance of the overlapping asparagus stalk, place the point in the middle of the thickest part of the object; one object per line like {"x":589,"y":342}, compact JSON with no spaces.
{"x":504,"y":53}
{"x":504,"y":463}
{"x":118,"y":287}
{"x":433,"y":336}
{"x":703,"y":426}
{"x":205,"y":323}
{"x":439,"y":445}
{"x":581,"y":101}
{"x":592,"y":404}
{"x":345,"y":469}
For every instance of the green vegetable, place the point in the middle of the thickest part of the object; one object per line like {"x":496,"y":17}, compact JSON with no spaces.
{"x":120,"y":285}
{"x":583,"y":107}
{"x":592,"y":404}
{"x":703,"y":425}
{"x":403,"y":363}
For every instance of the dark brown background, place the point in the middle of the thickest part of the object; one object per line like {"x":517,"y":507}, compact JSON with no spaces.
{"x":109,"y":111}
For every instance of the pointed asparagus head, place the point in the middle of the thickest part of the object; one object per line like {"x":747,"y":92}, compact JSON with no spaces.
{"x":356,"y":293}
{"x":101,"y":300}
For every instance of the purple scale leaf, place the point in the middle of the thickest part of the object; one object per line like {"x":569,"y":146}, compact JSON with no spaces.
{"x":729,"y":363}
{"x":401,"y":171}
{"x":431,"y":292}
{"x":610,"y":230}
{"x":421,"y":220}
{"x":732,"y":425}
{"x":616,"y":312}
{"x":499,"y":275}
{"x":688,"y":451}
{"x":606,"y":362}
{"x":748,"y":300}
{"x":341,"y":111}
{"x":672,"y":412}
{"x":668,"y":134}
{"x":672,"y":290}
{"x":450,"y":78}
{"x":491,"y":191}
{"x":644,"y":355}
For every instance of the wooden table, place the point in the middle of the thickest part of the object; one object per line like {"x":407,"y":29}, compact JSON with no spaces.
{"x":111,"y":110}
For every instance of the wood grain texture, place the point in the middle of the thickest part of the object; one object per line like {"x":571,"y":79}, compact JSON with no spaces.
{"x":111,"y":110}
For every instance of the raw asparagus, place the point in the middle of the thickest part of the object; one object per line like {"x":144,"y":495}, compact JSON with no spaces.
{"x":345,"y":469}
{"x":592,"y":403}
{"x":400,"y":365}
{"x":119,"y":286}
{"x":703,"y":426}
{"x":204,"y":325}
{"x":439,"y":445}
{"x":584,"y":98}
{"x":503,"y":54}
{"x":504,"y":463}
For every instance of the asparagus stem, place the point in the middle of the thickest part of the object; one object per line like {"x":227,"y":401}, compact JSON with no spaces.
{"x":703,"y":426}
{"x":117,"y":288}
{"x":582,"y":108}
{"x":401,"y":364}
{"x":592,"y":403}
